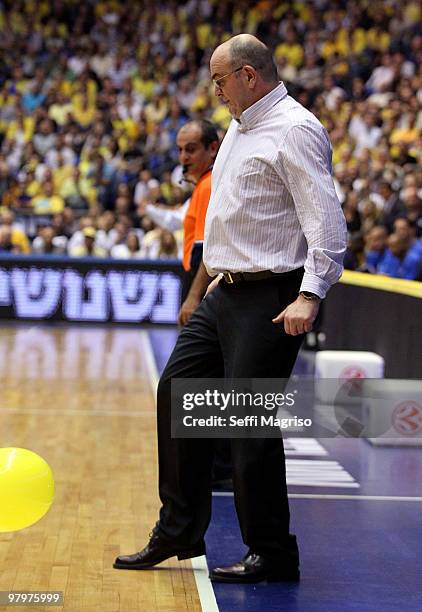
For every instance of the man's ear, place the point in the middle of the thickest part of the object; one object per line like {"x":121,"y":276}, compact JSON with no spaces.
{"x":251,"y":75}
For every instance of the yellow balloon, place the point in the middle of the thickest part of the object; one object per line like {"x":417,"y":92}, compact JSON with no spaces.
{"x":26,"y":488}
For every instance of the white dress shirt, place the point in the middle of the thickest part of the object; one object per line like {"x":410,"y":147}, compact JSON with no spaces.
{"x":273,"y":204}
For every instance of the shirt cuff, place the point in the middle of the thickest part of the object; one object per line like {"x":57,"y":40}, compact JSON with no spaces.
{"x":314,"y":284}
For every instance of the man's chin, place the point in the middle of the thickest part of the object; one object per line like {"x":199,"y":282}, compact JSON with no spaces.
{"x":233,"y":112}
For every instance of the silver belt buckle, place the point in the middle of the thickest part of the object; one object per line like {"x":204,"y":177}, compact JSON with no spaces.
{"x":228,"y":277}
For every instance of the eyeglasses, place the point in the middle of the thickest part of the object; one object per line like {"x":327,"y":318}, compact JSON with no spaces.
{"x":217,"y":82}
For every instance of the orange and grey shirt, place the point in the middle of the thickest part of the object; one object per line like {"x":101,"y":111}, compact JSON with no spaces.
{"x":194,"y":221}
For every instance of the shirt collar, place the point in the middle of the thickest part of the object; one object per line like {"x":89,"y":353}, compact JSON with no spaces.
{"x":251,"y":115}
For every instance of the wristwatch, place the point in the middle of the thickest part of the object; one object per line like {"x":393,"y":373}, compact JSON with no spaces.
{"x":310,"y":297}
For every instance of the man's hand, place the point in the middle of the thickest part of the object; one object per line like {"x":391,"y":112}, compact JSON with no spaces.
{"x":213,"y":284}
{"x":194,"y":297}
{"x":187,"y":309}
{"x":299,"y":316}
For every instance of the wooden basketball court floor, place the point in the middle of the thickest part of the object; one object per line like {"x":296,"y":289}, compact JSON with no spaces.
{"x":83,"y":398}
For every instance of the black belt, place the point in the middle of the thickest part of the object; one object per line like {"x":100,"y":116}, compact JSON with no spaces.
{"x":239,"y":277}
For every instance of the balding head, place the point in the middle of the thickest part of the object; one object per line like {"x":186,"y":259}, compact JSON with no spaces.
{"x":247,"y":49}
{"x":243,"y":72}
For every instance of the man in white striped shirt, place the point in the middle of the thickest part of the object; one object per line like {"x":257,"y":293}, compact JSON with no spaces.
{"x":275,"y":237}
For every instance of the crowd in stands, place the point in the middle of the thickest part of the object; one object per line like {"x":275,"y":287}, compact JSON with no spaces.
{"x":92,"y":95}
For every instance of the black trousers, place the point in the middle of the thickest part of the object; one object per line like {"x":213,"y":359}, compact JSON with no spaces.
{"x":222,"y":469}
{"x":230,"y":335}
{"x":188,"y":276}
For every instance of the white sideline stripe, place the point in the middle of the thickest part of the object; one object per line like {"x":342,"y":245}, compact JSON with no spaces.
{"x":360,"y":497}
{"x":148,"y":355}
{"x":303,"y":464}
{"x":394,"y":498}
{"x":296,"y":482}
{"x":304,"y":446}
{"x":203,"y":584}
{"x":318,"y":473}
{"x":199,"y":564}
{"x":311,"y":452}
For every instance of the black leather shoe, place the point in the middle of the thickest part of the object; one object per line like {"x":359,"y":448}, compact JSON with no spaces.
{"x":156,"y":551}
{"x":255,"y":568}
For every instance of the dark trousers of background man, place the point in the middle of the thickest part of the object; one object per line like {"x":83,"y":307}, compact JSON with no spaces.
{"x":230,"y":335}
{"x":189,"y":275}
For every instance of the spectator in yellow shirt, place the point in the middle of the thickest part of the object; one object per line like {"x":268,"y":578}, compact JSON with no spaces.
{"x":60,"y":110}
{"x":407,"y":134}
{"x":84,"y":113}
{"x":156,"y":110}
{"x":329,"y":47}
{"x":21,"y":129}
{"x":290,"y":49}
{"x":378,"y":39}
{"x":78,"y":191}
{"x":47,"y":202}
{"x":18,"y":237}
{"x":88,"y":248}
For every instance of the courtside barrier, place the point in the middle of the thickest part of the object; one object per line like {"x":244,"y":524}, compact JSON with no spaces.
{"x":376,"y":313}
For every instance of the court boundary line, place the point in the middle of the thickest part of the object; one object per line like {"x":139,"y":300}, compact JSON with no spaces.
{"x":338,"y":497}
{"x":199,"y":564}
